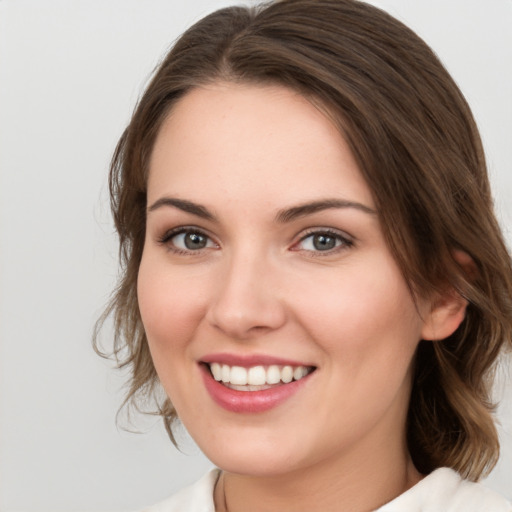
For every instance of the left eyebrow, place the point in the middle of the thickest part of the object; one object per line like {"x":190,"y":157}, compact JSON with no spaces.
{"x":302,"y":210}
{"x":184,"y":205}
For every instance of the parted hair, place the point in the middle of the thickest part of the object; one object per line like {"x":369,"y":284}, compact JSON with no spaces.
{"x":416,"y":144}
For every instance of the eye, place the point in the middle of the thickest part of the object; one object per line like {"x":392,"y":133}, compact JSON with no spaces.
{"x":187,"y":240}
{"x":323,"y":241}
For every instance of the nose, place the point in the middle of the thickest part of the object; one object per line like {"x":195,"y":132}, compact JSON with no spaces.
{"x":247,"y":302}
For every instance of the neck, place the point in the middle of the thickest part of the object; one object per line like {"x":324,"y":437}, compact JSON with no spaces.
{"x":360,"y":484}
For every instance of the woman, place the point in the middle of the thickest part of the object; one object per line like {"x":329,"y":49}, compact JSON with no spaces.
{"x":312,"y":268}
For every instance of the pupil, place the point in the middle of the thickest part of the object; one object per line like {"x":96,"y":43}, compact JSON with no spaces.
{"x":324,"y":242}
{"x":195,"y":241}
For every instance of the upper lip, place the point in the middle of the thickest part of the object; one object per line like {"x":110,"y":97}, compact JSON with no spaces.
{"x":247,"y":361}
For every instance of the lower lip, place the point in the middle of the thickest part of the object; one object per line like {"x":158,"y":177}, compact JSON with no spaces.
{"x":249,"y":401}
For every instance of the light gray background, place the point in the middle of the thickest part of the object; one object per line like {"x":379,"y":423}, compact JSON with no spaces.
{"x":70,"y":74}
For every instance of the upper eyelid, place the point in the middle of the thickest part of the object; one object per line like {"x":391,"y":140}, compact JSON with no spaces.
{"x":183,"y":229}
{"x":346,"y":240}
{"x":170,"y":233}
{"x":327,"y":230}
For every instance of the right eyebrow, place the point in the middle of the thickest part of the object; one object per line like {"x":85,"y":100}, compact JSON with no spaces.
{"x":302,"y":210}
{"x":184,"y":205}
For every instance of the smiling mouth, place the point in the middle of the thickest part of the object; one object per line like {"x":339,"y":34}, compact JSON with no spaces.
{"x":257,"y":378}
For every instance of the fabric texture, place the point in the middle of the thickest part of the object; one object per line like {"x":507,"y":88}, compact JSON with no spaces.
{"x":441,"y":491}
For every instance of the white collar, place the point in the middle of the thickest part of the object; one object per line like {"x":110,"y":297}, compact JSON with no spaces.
{"x":441,"y":491}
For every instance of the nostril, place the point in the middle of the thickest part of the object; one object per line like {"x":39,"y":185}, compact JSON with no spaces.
{"x":246,"y":321}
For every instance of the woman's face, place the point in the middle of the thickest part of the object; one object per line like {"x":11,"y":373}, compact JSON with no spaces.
{"x":264,"y":251}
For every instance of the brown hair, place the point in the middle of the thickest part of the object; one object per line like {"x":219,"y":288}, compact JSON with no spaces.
{"x":418,"y":147}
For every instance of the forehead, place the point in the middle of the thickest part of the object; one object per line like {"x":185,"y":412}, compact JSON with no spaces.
{"x":241,"y":139}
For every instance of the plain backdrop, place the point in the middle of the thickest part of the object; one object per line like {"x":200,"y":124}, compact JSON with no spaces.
{"x":70,"y":74}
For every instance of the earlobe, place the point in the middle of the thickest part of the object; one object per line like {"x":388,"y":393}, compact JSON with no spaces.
{"x":448,"y":310}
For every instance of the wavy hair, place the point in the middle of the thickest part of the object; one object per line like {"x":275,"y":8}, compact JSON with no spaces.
{"x":417,"y":145}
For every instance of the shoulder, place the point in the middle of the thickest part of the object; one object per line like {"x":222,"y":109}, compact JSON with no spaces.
{"x":197,"y":497}
{"x":445,"y":490}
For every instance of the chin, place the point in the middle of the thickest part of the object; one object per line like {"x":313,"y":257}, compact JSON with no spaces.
{"x":266,"y":455}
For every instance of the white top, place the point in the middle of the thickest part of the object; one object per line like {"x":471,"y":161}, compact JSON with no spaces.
{"x":441,"y":491}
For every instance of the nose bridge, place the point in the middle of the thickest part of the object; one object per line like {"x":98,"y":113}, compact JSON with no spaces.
{"x":247,"y":299}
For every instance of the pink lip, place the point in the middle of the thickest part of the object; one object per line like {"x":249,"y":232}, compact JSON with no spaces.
{"x":249,"y":401}
{"x":247,"y":361}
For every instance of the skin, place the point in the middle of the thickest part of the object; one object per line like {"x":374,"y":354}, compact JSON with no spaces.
{"x":260,"y":286}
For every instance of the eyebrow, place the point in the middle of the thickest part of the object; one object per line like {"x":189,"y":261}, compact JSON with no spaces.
{"x":283,"y":216}
{"x":184,"y":205}
{"x":302,"y":210}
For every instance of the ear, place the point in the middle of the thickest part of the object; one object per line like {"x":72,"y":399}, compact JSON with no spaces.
{"x":446,"y":314}
{"x":448,"y":309}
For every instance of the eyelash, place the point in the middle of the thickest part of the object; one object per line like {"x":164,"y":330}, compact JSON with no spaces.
{"x":342,"y":241}
{"x":166,"y":239}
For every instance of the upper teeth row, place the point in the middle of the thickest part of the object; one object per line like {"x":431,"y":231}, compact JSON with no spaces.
{"x":257,"y":375}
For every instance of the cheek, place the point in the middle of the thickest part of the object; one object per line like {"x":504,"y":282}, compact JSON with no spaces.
{"x":368,"y":330}
{"x":170,"y":306}
{"x":365,"y":314}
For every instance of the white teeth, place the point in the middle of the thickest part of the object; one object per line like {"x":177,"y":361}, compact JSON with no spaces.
{"x":299,"y":372}
{"x":273,"y":375}
{"x":247,"y":378}
{"x":256,"y":376}
{"x":287,"y":374}
{"x":238,"y":375}
{"x":216,"y":371}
